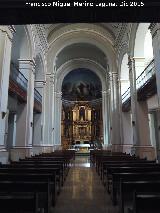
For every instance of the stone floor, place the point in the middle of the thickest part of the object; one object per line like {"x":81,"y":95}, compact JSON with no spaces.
{"x":83,"y":191}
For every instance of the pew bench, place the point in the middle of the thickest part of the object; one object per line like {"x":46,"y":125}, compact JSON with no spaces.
{"x":129,"y":169}
{"x":145,"y":203}
{"x":108,"y":165}
{"x":117,"y":177}
{"x":127,"y":189}
{"x":43,"y":190}
{"x":18,"y":202}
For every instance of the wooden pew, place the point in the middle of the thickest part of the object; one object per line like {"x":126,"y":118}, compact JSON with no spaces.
{"x":11,"y":187}
{"x":130,"y":169}
{"x":39,"y":173}
{"x":116,"y":177}
{"x":19,"y":202}
{"x":60,"y":177}
{"x":32,"y":177}
{"x":47,"y":161}
{"x":107,"y":159}
{"x":146,"y":203}
{"x":127,"y":189}
{"x":136,"y":163}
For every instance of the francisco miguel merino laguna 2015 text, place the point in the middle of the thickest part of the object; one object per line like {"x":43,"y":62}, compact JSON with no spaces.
{"x":86,"y":4}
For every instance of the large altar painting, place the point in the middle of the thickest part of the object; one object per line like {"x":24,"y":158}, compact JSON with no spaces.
{"x":81,"y":85}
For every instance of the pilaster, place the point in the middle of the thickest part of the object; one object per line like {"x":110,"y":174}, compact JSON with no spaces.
{"x":6,"y":35}
{"x":39,"y":119}
{"x":155,"y":31}
{"x":57,"y":123}
{"x":49,"y":111}
{"x":106,"y":118}
{"x":140,"y":123}
{"x":115,"y":129}
{"x":24,"y":122}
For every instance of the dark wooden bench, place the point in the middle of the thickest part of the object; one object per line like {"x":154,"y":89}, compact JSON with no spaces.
{"x":145,"y":203}
{"x":38,"y":172}
{"x":18,"y":202}
{"x":116,"y":177}
{"x":127,"y":189}
{"x":107,"y":165}
{"x":32,"y":177}
{"x":43,"y":189}
{"x":129,"y":169}
{"x":60,"y":177}
{"x":46,"y":161}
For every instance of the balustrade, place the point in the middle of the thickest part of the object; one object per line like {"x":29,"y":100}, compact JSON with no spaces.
{"x":141,"y":80}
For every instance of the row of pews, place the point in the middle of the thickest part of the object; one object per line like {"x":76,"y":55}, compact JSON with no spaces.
{"x":132,"y":183}
{"x":32,"y":185}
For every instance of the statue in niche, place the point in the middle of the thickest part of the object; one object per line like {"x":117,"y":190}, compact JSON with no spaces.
{"x":82,"y":114}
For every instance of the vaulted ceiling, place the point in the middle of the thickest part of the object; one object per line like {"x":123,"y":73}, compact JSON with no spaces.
{"x":114,"y":29}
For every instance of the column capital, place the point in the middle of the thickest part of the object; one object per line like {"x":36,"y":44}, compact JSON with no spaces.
{"x":114,"y":74}
{"x":58,"y":94}
{"x":131,"y":62}
{"x":115,"y":77}
{"x":110,"y":76}
{"x":9,"y":30}
{"x":27,"y":61}
{"x":106,"y":92}
{"x":39,"y":84}
{"x":27,"y":64}
{"x":51,"y":76}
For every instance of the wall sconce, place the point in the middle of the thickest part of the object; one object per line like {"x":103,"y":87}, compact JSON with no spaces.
{"x":133,"y":123}
{"x":3,"y":114}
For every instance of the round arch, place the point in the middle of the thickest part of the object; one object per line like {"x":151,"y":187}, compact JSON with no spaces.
{"x":61,"y":73}
{"x":124,"y":75}
{"x":81,"y":35}
{"x":140,"y":46}
{"x":79,"y":63}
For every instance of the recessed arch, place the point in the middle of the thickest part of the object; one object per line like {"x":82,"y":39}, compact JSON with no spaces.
{"x":124,"y":77}
{"x":79,"y":63}
{"x":39,"y":68}
{"x":21,"y":46}
{"x":140,"y":46}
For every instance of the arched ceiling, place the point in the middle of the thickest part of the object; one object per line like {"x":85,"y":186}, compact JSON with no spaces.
{"x":112,"y":28}
{"x":81,"y":50}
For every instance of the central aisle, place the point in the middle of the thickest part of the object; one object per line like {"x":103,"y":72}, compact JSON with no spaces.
{"x":83,"y":191}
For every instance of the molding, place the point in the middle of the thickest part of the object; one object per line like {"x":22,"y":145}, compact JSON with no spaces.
{"x":21,"y":147}
{"x":43,"y":145}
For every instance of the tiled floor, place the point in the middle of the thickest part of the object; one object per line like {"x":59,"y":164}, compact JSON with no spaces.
{"x":83,"y":191}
